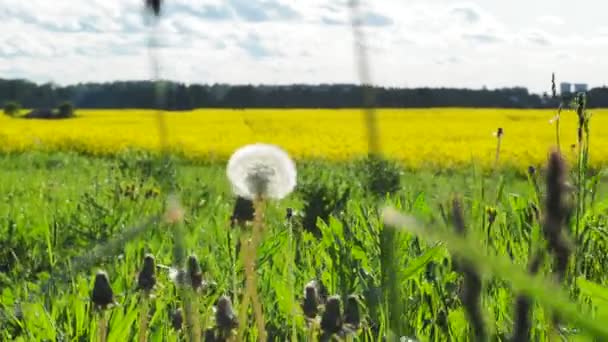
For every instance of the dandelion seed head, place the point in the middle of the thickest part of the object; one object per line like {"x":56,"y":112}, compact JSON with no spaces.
{"x":261,"y":170}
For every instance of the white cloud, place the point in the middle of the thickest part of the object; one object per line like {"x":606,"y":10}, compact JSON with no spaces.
{"x":550,"y":20}
{"x":413,"y":43}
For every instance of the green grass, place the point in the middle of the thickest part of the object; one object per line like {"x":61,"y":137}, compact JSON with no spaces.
{"x":57,"y":208}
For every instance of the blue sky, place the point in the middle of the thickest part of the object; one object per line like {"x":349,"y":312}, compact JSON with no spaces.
{"x":491,"y":43}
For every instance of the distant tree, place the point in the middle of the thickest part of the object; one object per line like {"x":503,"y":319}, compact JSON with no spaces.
{"x":179,"y":96}
{"x":12,"y":108}
{"x":65,"y":110}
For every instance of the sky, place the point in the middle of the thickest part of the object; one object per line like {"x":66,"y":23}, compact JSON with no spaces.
{"x":410,"y":43}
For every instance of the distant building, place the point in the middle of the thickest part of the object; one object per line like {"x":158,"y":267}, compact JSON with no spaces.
{"x":565,"y":88}
{"x":580,"y":87}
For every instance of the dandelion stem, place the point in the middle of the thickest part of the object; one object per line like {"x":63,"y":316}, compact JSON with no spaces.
{"x":499,"y":139}
{"x":191,"y":308}
{"x":250,"y":249}
{"x":234,"y":258}
{"x":102,"y":327}
{"x":291,"y":275}
{"x":258,"y":225}
{"x":143,"y":323}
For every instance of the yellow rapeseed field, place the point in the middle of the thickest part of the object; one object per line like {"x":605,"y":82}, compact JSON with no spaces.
{"x":417,"y":137}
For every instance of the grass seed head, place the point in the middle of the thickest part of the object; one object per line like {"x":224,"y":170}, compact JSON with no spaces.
{"x":102,"y":295}
{"x":556,"y":213}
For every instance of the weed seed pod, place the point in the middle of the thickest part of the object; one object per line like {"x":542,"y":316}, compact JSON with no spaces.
{"x":491,"y":212}
{"x":210,"y":335}
{"x":102,"y":295}
{"x":331,"y":321}
{"x":310,"y":303}
{"x":352,"y":315}
{"x":288,"y":213}
{"x":225,"y":319}
{"x":177,"y":319}
{"x":242,"y":213}
{"x":194,"y":272}
{"x":580,"y":112}
{"x":499,"y":133}
{"x":146,"y":279}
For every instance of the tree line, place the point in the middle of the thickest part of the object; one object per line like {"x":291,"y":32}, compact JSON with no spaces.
{"x":179,"y":96}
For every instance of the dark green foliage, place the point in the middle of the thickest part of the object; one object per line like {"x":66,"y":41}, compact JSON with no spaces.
{"x":322,"y":195}
{"x":12,"y":108}
{"x":180,"y":96}
{"x":380,"y":176}
{"x":65,"y":110}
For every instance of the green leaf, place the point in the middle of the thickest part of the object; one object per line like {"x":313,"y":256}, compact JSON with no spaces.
{"x":597,"y":293}
{"x":458,"y":324}
{"x":416,"y":265}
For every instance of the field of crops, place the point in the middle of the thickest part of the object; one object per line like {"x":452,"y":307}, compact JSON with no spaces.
{"x":137,"y":246}
{"x":445,"y":138}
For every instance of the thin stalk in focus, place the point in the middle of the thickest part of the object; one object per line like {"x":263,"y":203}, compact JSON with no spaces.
{"x":499,"y":134}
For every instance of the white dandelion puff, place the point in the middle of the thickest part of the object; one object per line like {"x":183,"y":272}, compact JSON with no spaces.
{"x":261,"y":170}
